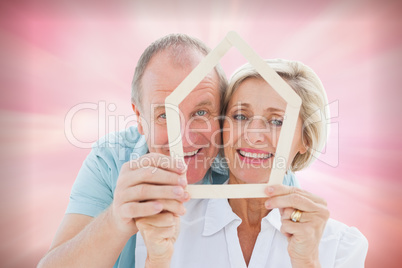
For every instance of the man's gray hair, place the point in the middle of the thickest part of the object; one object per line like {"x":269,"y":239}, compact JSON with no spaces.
{"x":179,"y":43}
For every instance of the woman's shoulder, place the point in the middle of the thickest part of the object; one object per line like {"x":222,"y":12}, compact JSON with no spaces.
{"x":348,"y":244}
{"x":339,"y":230}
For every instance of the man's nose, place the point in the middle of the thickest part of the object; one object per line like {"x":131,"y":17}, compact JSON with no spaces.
{"x":190,"y":134}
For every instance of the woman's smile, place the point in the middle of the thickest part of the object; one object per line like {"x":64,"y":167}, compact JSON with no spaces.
{"x":254,"y":156}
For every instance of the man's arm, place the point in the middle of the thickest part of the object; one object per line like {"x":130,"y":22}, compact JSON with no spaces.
{"x":140,"y":192}
{"x":83,"y":241}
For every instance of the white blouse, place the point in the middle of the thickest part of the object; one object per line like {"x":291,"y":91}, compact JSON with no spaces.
{"x":208,"y":238}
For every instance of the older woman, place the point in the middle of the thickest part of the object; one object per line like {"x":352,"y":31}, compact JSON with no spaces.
{"x":289,"y":228}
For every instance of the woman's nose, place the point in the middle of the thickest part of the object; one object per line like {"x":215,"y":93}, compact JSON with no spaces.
{"x":258,"y":131}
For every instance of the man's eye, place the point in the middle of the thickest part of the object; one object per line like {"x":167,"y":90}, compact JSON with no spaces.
{"x":276,"y":122}
{"x":200,"y":113}
{"x":240,"y":117}
{"x":162,"y":116}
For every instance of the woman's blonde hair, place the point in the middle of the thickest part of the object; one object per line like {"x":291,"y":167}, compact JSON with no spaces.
{"x":313,"y":111}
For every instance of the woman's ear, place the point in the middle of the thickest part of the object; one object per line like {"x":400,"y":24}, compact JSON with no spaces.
{"x":139,"y":122}
{"x":303,"y":149}
{"x":305,"y":145}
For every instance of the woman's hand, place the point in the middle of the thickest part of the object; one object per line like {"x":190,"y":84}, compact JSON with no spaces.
{"x":304,"y":235}
{"x":159,"y":233}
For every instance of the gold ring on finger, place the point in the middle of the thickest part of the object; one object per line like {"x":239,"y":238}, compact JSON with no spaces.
{"x":296,"y":215}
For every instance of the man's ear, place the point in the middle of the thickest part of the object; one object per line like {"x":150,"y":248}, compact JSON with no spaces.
{"x":139,"y":122}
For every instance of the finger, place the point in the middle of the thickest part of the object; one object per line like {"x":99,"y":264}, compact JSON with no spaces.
{"x":173,"y":206}
{"x":163,"y":219}
{"x":275,"y":190}
{"x":151,"y":175}
{"x":161,"y":161}
{"x":281,"y":211}
{"x":294,"y":228}
{"x":160,"y":233}
{"x":133,"y":210}
{"x":293,"y":201}
{"x":287,"y":214}
{"x":307,"y":231}
{"x":145,"y":192}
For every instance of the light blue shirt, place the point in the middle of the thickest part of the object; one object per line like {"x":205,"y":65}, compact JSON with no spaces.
{"x":94,"y":186}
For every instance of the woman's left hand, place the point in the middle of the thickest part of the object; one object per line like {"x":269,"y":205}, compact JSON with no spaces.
{"x":304,"y":235}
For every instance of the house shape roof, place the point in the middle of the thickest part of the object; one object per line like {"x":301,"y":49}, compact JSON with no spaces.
{"x":172,"y":102}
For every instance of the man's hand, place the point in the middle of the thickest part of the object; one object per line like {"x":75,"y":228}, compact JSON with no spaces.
{"x":145,"y":187}
{"x":159,"y":233}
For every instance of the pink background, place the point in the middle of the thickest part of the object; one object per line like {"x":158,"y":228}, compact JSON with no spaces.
{"x":57,"y":56}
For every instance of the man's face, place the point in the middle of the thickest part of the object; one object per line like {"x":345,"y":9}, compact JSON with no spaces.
{"x":199,"y":112}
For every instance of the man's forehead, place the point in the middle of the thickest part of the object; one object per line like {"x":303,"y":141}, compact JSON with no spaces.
{"x":197,"y":103}
{"x":182,"y":56}
{"x":185,"y":60}
{"x":178,"y":57}
{"x":161,"y":77}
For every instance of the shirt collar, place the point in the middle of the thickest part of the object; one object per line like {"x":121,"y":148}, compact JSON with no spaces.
{"x":218,"y":215}
{"x":220,"y":166}
{"x":274,"y":218}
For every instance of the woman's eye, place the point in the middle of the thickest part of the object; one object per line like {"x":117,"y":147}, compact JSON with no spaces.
{"x":276,"y":122}
{"x":201,"y":113}
{"x":239,"y":117}
{"x":162,"y":116}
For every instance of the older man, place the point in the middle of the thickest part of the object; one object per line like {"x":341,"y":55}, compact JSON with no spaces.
{"x":110,"y":191}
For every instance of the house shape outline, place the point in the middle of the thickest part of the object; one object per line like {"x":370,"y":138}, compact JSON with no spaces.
{"x":172,"y":102}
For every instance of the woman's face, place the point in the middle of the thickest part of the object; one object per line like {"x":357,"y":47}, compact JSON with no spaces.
{"x":251,"y":130}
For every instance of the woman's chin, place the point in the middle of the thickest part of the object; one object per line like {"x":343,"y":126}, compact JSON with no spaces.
{"x":247,"y":173}
{"x":253,"y":178}
{"x":256,"y":181}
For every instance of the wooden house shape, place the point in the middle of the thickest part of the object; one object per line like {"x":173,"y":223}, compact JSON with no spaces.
{"x":172,"y":102}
